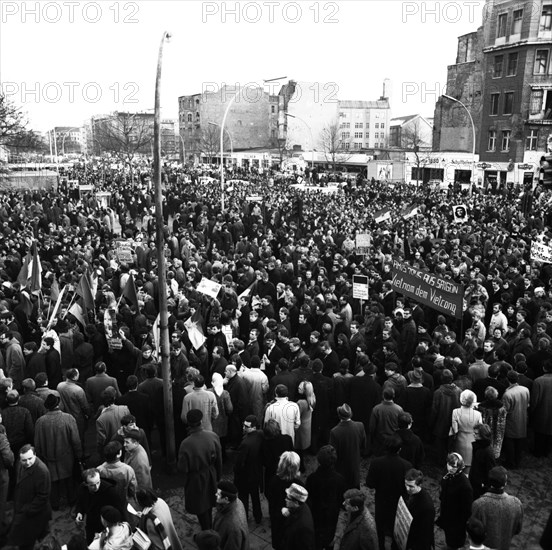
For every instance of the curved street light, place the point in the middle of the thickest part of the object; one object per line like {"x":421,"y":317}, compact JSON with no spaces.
{"x":473,"y":137}
{"x":310,"y":132}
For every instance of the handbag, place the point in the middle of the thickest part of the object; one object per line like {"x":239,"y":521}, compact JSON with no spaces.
{"x":140,"y":539}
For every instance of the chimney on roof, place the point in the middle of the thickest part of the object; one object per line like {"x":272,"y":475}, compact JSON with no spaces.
{"x":387,"y":90}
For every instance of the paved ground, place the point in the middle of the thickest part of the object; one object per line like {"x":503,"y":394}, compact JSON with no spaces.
{"x":532,"y":484}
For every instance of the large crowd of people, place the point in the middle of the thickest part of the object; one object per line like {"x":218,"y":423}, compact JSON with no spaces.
{"x":272,"y":363}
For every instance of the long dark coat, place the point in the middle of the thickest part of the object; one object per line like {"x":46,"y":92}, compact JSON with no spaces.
{"x":200,"y":460}
{"x":456,"y":500}
{"x":57,"y":443}
{"x":32,"y":510}
{"x":326,"y":488}
{"x":349,"y":440}
{"x":299,"y":530}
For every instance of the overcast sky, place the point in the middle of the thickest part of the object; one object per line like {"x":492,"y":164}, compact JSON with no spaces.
{"x":64,"y":61}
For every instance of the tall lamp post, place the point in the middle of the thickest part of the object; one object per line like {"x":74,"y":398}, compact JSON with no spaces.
{"x":222,"y":139}
{"x":183,"y":149}
{"x":163,"y":313}
{"x":310,"y":132}
{"x":473,"y":137}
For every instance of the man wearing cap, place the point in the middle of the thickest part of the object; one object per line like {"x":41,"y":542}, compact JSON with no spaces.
{"x":200,"y":460}
{"x":230,"y":520}
{"x":298,"y":524}
{"x":58,"y":445}
{"x":349,"y":440}
{"x":248,"y":467}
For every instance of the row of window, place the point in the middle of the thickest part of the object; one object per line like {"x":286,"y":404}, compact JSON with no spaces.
{"x":358,"y":115}
{"x":360,"y":135}
{"x":346,"y":125}
{"x":498,"y":69}
{"x":507,"y":104}
{"x":545,"y":22}
{"x":358,"y":145}
{"x":530,"y":143}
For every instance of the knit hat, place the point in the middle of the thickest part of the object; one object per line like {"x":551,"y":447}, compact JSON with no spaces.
{"x":51,"y":402}
{"x":207,"y":540}
{"x":110,"y":514}
{"x":194,"y":417}
{"x":227,"y":489}
{"x":296,"y":492}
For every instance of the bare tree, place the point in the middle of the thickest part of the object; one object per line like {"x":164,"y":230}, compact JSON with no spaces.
{"x":124,"y":135}
{"x":209,"y":142}
{"x":412,"y":139}
{"x":332,"y":145}
{"x":284,"y":148}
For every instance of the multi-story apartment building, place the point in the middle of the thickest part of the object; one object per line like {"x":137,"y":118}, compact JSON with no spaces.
{"x":506,"y":83}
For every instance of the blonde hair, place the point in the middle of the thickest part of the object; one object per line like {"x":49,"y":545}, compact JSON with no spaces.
{"x":467,"y":398}
{"x":306,"y":388}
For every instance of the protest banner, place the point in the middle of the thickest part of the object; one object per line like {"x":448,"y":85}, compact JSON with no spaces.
{"x":423,"y":286}
{"x":208,"y":287}
{"x":363,"y":242}
{"x":124,"y":250}
{"x":541,"y":252}
{"x":403,"y":520}
{"x":360,"y":287}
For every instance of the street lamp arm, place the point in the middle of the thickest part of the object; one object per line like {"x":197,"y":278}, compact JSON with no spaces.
{"x":473,"y":135}
{"x":310,"y":132}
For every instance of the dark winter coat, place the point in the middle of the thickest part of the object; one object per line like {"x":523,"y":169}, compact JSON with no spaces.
{"x":445,"y":399}
{"x":57,"y":443}
{"x":32,"y":510}
{"x":299,"y":530}
{"x":456,"y":501}
{"x":349,"y":440}
{"x":326,"y":488}
{"x":200,"y":460}
{"x":360,"y":534}
{"x":421,"y":536}
{"x":483,"y":460}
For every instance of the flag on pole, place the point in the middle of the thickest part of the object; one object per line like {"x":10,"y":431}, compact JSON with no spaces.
{"x":26,"y":303}
{"x":156,"y":329}
{"x":35,"y":270}
{"x":85,"y":292}
{"x":410,"y":212}
{"x":30,"y":274}
{"x":129,"y":292}
{"x":382,"y":215}
{"x":194,"y":326}
{"x":76,"y":311}
{"x":54,"y":290}
{"x":56,"y":307}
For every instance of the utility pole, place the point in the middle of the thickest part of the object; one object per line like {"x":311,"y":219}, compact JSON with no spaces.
{"x":162,"y":275}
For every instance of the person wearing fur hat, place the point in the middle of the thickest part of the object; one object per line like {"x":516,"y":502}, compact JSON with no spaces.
{"x":230,"y":520}
{"x":58,"y":445}
{"x":298,"y":523}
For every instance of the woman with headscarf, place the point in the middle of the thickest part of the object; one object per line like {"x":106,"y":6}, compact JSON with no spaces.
{"x":225,"y":408}
{"x":456,"y":500}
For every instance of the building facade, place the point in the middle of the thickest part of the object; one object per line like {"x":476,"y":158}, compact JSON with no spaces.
{"x":503,"y":75}
{"x":411,"y":131}
{"x":364,"y":124}
{"x":251,"y":123}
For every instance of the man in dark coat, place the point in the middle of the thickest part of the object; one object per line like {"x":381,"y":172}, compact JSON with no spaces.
{"x":349,"y":440}
{"x":32,"y":510}
{"x":200,"y":460}
{"x":92,"y":495}
{"x":326,"y":488}
{"x":298,"y":525}
{"x":238,"y":395}
{"x":386,"y":475}
{"x":59,"y":446}
{"x":420,"y":505}
{"x":360,"y":530}
{"x":248,"y":469}
{"x":364,"y":393}
{"x":322,"y":386}
{"x":138,"y":404}
{"x":96,"y":384}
